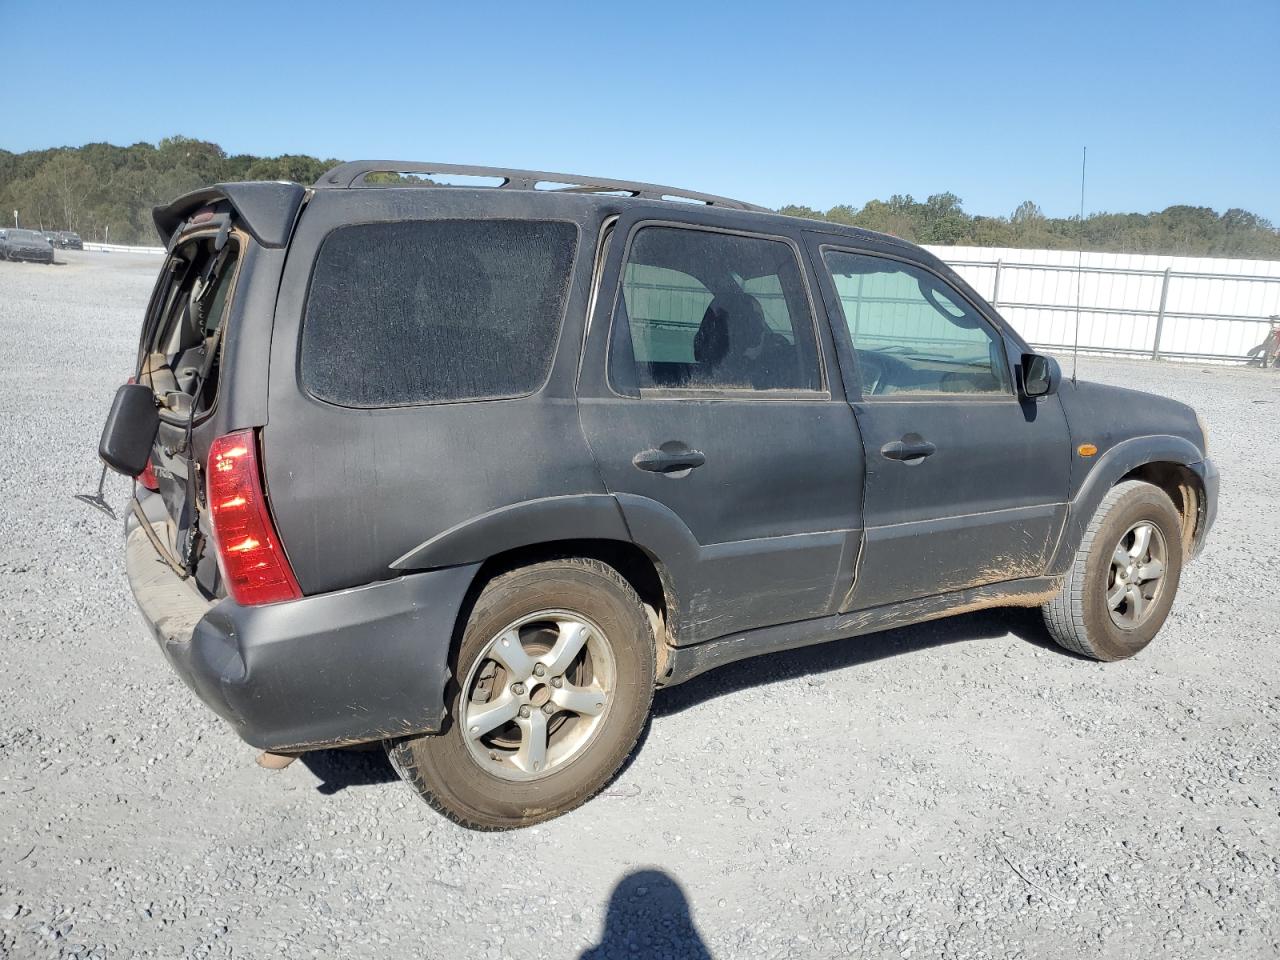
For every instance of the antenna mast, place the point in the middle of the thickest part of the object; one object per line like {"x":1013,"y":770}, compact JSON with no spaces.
{"x":1075,"y":343}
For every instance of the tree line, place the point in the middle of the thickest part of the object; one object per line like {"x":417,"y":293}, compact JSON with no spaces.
{"x":103,"y":191}
{"x":1179,"y":230}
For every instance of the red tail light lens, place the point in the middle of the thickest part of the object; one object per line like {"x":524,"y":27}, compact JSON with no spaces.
{"x":252,"y":561}
{"x":148,"y":477}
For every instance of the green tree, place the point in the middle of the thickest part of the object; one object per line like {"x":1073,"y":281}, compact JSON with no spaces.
{"x":101,"y":185}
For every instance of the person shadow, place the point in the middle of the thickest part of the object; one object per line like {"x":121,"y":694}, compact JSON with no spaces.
{"x":648,"y":917}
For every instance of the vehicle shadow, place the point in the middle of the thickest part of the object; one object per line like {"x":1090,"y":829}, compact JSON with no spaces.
{"x":359,"y":767}
{"x":1022,"y":622}
{"x":648,"y":916}
{"x":337,"y":770}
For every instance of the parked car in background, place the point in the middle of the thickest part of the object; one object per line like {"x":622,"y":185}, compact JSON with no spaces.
{"x":30,"y":245}
{"x":69,"y":240}
{"x":529,"y":453}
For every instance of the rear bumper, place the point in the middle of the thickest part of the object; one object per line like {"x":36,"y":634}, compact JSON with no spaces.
{"x":361,"y":664}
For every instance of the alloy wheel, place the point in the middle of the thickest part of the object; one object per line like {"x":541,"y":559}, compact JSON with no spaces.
{"x":1136,"y":575}
{"x":537,"y":695}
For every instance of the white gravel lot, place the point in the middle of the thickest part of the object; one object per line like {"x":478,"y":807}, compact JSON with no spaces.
{"x":957,"y":789}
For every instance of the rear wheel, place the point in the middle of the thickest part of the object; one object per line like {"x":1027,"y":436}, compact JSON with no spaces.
{"x":1122,"y":581}
{"x":555,"y":676}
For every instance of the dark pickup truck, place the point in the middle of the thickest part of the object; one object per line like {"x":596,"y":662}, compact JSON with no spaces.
{"x":469,"y":471}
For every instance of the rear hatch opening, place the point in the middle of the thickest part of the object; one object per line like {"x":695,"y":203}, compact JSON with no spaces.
{"x":181,"y":359}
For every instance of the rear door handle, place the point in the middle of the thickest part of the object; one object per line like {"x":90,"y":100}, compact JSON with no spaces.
{"x":908,"y":448}
{"x":670,"y":459}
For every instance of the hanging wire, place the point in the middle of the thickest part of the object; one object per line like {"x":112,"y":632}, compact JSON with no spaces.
{"x":1075,"y":341}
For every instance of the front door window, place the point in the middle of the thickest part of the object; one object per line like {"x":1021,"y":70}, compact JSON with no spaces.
{"x":912,"y":333}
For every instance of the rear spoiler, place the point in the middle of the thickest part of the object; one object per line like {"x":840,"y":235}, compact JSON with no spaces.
{"x":267,"y":209}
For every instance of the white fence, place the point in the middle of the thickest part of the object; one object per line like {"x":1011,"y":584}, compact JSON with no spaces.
{"x":120,"y":248}
{"x":1180,"y":308}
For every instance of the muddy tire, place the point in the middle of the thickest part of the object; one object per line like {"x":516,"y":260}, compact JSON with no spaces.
{"x":1123,"y":578}
{"x":552,"y":686}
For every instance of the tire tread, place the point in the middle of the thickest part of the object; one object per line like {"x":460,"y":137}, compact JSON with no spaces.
{"x":402,"y":758}
{"x":1064,"y":614}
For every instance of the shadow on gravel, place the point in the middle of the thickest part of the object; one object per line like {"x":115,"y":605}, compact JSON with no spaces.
{"x":338,"y":769}
{"x":648,"y":916}
{"x":362,"y":767}
{"x":1023,"y":623}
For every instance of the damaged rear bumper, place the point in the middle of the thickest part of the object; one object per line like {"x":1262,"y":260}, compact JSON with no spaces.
{"x":361,"y":664}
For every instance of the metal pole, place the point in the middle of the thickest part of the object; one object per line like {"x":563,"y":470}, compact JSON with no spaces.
{"x":1164,"y":299}
{"x":995,"y":289}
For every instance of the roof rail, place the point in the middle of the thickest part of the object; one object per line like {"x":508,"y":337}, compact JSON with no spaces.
{"x":355,"y":174}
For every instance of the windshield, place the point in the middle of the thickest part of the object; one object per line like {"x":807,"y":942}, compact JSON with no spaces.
{"x":24,"y":235}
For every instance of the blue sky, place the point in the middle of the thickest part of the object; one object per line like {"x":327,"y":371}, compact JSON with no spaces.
{"x":813,"y":103}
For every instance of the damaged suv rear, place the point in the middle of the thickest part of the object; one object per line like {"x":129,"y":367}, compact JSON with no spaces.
{"x":287,"y":672}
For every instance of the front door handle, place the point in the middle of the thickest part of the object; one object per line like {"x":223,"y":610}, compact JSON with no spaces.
{"x":912,"y":447}
{"x":670,"y":459}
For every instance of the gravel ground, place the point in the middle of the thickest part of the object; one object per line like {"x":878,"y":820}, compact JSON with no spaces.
{"x":957,"y":789}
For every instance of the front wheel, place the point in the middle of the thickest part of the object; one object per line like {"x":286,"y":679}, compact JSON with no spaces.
{"x":1122,"y":581}
{"x":555,"y":675}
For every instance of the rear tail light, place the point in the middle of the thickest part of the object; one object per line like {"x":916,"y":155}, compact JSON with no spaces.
{"x":148,"y":478}
{"x":250,"y":557}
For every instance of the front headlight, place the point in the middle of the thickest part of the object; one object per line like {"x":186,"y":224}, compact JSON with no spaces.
{"x":1204,"y":432}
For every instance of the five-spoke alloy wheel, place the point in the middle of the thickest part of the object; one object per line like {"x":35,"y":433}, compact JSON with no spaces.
{"x":1137,"y":575}
{"x":556,"y":671}
{"x":538,"y":694}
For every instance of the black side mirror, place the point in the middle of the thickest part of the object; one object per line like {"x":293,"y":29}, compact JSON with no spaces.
{"x":1041,"y":375}
{"x":130,"y":430}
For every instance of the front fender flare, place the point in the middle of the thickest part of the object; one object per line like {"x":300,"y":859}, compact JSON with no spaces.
{"x":1120,"y":460}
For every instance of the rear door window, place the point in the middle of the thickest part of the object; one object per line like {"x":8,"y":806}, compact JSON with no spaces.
{"x":704,"y":310}
{"x":435,"y":311}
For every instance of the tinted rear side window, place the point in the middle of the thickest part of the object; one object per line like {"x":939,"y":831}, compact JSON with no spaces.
{"x":712,"y":310}
{"x":435,"y":311}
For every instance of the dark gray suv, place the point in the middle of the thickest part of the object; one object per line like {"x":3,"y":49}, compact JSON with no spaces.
{"x":469,"y":470}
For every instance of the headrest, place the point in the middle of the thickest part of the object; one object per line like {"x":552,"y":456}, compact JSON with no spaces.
{"x":733,"y":322}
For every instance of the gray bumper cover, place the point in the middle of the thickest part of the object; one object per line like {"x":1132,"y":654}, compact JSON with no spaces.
{"x":361,"y":664}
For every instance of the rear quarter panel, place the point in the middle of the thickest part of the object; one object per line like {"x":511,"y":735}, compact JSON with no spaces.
{"x":353,"y":490}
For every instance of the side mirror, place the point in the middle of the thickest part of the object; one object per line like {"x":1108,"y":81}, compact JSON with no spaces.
{"x":130,"y":430}
{"x":1041,"y":375}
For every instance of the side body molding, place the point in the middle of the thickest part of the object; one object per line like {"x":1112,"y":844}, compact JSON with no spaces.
{"x":778,"y":579}
{"x":694,"y":576}
{"x":593,"y":516}
{"x":1111,"y":466}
